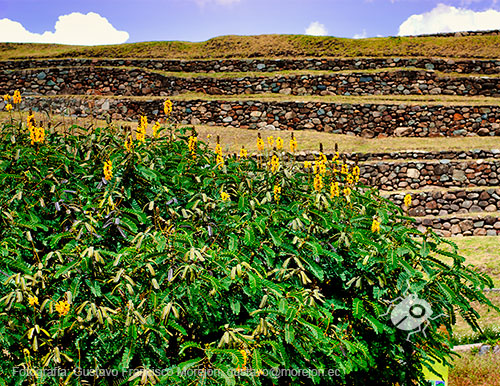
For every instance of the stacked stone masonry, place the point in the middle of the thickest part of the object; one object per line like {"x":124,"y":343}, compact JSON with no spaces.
{"x":443,"y":203}
{"x":420,"y":174}
{"x":463,"y":226}
{"x":137,"y":82}
{"x":366,"y":120}
{"x":465,"y":66}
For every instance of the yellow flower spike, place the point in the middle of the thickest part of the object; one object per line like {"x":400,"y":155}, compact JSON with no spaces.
{"x":275,"y":164}
{"x":62,"y":307}
{"x":32,"y":300}
{"x":270,"y":141}
{"x":17,"y":97}
{"x":318,"y":183}
{"x":279,"y":143}
{"x":260,"y":144}
{"x":375,"y":226}
{"x":220,"y":161}
{"x":108,"y":170}
{"x":355,"y":171}
{"x":293,"y":144}
{"x":129,"y":143}
{"x":141,"y":129}
{"x":334,"y":190}
{"x":192,"y":144}
{"x":6,"y":97}
{"x":350,"y":179}
{"x":156,"y":128}
{"x":345,"y":169}
{"x":408,"y":200}
{"x":307,"y":164}
{"x":8,"y":107}
{"x":30,"y":120}
{"x":243,"y":152}
{"x":277,"y":193}
{"x":347,"y":191}
{"x":167,"y":107}
{"x":224,"y":196}
{"x":218,"y":149}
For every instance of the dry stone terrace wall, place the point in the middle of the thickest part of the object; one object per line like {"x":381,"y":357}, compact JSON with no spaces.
{"x":465,"y":66}
{"x":420,"y":174}
{"x":120,"y":81}
{"x":409,"y":155}
{"x":367,"y":120}
{"x":442,"y":202}
{"x":463,"y":226}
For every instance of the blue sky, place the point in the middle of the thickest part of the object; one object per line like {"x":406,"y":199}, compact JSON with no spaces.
{"x":115,"y":21}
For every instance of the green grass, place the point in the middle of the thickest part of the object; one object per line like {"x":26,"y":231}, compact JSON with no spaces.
{"x":272,"y":46}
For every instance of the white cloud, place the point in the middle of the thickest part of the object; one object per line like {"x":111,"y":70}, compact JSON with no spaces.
{"x":316,"y":29}
{"x":360,"y":36}
{"x":75,"y":28}
{"x":445,"y":18}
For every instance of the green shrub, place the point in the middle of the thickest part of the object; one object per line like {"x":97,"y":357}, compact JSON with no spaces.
{"x":179,"y":262}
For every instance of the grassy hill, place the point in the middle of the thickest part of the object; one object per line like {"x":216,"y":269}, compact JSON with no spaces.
{"x":272,"y":46}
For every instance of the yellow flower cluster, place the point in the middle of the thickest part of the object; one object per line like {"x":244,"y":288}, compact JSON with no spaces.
{"x":318,"y":182}
{"x":108,"y":170}
{"x":293,"y":144}
{"x":129,"y":144}
{"x":156,"y":128}
{"x":320,"y":164}
{"x":37,"y":134}
{"x":224,"y":196}
{"x":408,"y":200}
{"x":270,"y":141}
{"x":277,"y":193}
{"x":307,"y":164}
{"x":167,"y":107}
{"x":375,"y":225}
{"x":62,"y":307}
{"x":32,"y":300}
{"x":243,"y":152}
{"x":220,"y":158}
{"x":275,"y":163}
{"x":17,"y":97}
{"x":279,"y":143}
{"x":141,"y":129}
{"x":192,"y":145}
{"x":260,"y":143}
{"x":334,"y":190}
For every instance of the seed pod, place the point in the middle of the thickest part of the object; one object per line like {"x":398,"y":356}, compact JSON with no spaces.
{"x":57,"y":355}
{"x":263,"y":301}
{"x":151,"y":269}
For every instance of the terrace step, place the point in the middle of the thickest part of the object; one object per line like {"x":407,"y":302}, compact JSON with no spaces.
{"x":450,"y":202}
{"x":364,"y":120}
{"x":483,"y":66}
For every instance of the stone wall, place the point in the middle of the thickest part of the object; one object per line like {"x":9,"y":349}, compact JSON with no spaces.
{"x":420,"y":174}
{"x":409,"y":155}
{"x":463,"y":226}
{"x":367,"y":120}
{"x":442,"y":203}
{"x":121,"y":81}
{"x":465,"y":66}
